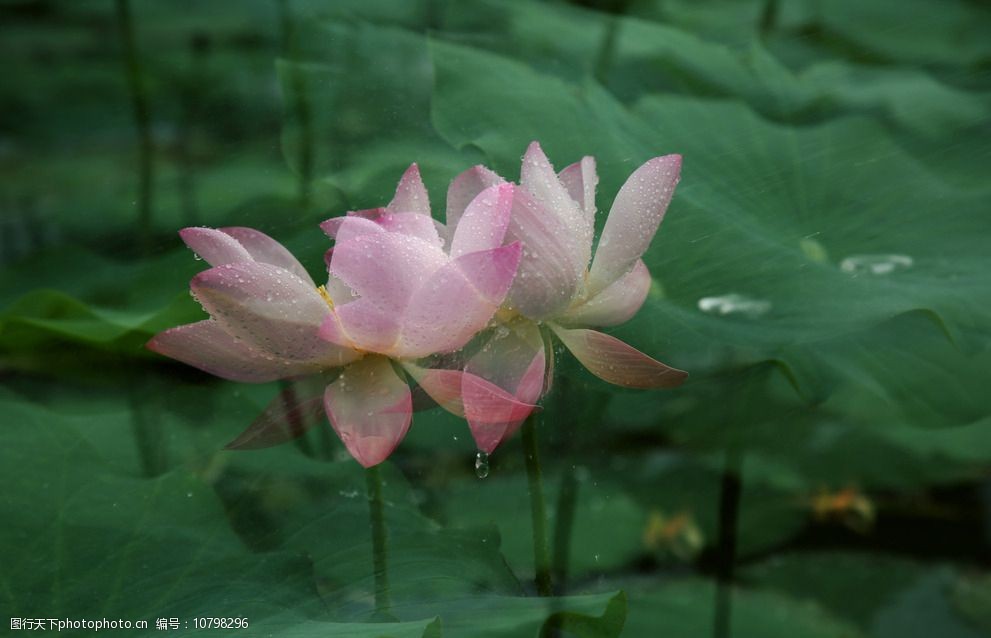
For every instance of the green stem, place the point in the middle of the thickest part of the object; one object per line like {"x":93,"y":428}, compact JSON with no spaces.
{"x":563,"y":523}
{"x":373,"y":478}
{"x":541,"y":555}
{"x":142,"y":120}
{"x":729,"y":511}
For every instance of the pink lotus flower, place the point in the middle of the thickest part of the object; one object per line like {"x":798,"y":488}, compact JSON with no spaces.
{"x":397,"y":294}
{"x":553,"y":217}
{"x":393,"y":294}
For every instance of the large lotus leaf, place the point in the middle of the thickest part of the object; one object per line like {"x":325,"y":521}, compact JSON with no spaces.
{"x":82,"y":541}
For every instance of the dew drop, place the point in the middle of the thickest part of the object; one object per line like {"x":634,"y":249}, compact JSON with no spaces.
{"x":481,"y":464}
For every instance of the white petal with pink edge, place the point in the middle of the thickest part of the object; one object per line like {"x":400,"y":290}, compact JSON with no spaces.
{"x":551,"y":269}
{"x":213,"y":246}
{"x":270,"y":309}
{"x":615,"y":304}
{"x":580,"y":180}
{"x":263,"y":248}
{"x":205,"y":345}
{"x":633,"y":219}
{"x":370,"y":408}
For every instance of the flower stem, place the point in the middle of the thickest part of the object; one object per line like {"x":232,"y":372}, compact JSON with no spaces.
{"x":541,"y":554}
{"x":142,"y":120}
{"x":729,"y":510}
{"x":563,"y":522}
{"x":373,"y":479}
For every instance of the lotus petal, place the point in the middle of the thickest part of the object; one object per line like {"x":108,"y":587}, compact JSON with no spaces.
{"x":551,"y":270}
{"x":633,"y":220}
{"x":615,"y":304}
{"x":205,"y":345}
{"x":263,"y":248}
{"x":215,"y":247}
{"x":580,"y":180}
{"x":457,"y":301}
{"x":370,"y":408}
{"x":466,"y":188}
{"x":272,"y":310}
{"x":612,"y":360}
{"x":411,"y":195}
{"x":385,"y":269}
{"x":285,"y":418}
{"x":511,"y":365}
{"x":483,"y":224}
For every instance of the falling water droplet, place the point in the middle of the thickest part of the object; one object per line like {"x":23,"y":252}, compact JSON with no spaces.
{"x":481,"y":464}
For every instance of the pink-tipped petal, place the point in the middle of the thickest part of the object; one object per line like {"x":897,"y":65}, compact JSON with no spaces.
{"x":411,"y":195}
{"x":552,"y":266}
{"x":615,"y":304}
{"x":580,"y":180}
{"x":370,"y":408}
{"x":612,"y":360}
{"x":483,"y":224}
{"x":215,"y":247}
{"x":633,"y":220}
{"x":466,"y":188}
{"x":271,"y":309}
{"x":493,"y":414}
{"x":492,"y":408}
{"x":413,"y":224}
{"x":385,"y":269}
{"x":342,"y":229}
{"x":285,"y":418}
{"x":511,"y":364}
{"x":205,"y":345}
{"x":457,"y":301}
{"x":537,"y":176}
{"x":263,"y":248}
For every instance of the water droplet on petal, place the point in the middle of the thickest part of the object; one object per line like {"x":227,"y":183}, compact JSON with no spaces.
{"x":481,"y":464}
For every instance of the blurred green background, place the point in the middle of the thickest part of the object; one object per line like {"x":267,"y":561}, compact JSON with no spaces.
{"x":823,"y":273}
